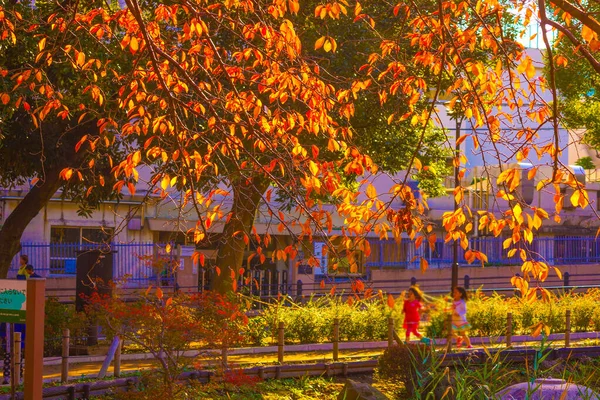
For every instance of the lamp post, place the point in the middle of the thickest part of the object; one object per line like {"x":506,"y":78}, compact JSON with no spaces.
{"x":458,"y":116}
{"x":456,"y":164}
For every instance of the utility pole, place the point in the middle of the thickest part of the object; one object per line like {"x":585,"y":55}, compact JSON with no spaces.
{"x":458,"y":119}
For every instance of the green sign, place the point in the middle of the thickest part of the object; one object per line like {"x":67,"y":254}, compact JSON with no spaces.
{"x":12,"y":300}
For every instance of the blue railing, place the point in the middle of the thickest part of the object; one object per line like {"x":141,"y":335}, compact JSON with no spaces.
{"x":132,"y":262}
{"x":558,"y":250}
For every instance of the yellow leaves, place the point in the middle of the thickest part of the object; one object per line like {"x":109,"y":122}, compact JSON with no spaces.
{"x":331,"y":10}
{"x":79,"y":58}
{"x":526,"y":67}
{"x":371,"y":192}
{"x":327,"y":43}
{"x":164,"y":183}
{"x":512,"y":177}
{"x":42,"y":43}
{"x":579,"y":198}
{"x":517,"y":212}
{"x":520,"y":283}
{"x":417,"y":163}
{"x":313,"y":168}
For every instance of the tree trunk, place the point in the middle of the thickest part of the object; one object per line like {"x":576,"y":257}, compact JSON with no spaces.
{"x":26,"y":210}
{"x":230,"y":256}
{"x":59,"y":153}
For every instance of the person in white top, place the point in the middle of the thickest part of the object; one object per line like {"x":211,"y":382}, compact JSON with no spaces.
{"x":460,"y":325}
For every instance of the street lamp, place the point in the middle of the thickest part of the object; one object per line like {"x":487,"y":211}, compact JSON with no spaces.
{"x":458,"y":116}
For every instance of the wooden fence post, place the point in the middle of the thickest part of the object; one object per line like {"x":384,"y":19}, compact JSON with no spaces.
{"x":280,"y":342}
{"x":224,"y":357}
{"x":16,"y":361}
{"x":568,"y":328}
{"x":64,"y":372}
{"x":509,"y":329}
{"x":34,"y":345}
{"x":450,"y":335}
{"x":336,"y":338}
{"x":390,"y":331}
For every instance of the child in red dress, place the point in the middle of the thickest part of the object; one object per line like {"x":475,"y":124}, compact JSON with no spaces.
{"x":412,"y":306}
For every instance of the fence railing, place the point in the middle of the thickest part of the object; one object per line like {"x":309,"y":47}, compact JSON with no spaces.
{"x":557,"y":250}
{"x":132,"y":262}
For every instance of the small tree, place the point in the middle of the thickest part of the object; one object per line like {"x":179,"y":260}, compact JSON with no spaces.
{"x":167,"y":327}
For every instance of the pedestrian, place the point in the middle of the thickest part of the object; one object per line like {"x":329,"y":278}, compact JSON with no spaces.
{"x":412,"y":306}
{"x":23,"y":264}
{"x":31,"y":272}
{"x":460,"y":325}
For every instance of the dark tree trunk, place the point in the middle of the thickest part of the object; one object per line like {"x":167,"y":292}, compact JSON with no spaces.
{"x":17,"y":221}
{"x":230,"y":255}
{"x":59,"y":153}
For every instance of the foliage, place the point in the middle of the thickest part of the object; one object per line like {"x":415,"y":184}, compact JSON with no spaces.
{"x":222,"y":106}
{"x":487,"y":315}
{"x":312,"y":321}
{"x":419,"y":369}
{"x":57,"y":318}
{"x":585,"y":163}
{"x":166,"y":327}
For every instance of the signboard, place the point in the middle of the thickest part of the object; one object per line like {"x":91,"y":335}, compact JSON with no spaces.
{"x":320,"y":249}
{"x":12,"y":300}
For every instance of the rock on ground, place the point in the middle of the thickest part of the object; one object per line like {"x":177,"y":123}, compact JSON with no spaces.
{"x":360,"y":391}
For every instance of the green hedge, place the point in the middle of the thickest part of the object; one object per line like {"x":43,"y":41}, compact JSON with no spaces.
{"x":366,"y":320}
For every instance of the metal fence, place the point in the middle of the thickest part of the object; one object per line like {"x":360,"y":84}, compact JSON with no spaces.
{"x":557,"y":250}
{"x":132,"y":262}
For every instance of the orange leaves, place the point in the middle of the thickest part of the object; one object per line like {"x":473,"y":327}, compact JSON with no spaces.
{"x":390,"y":301}
{"x":5,"y":98}
{"x":331,"y":10}
{"x":588,"y":34}
{"x":423,"y":264}
{"x":512,"y":178}
{"x":66,"y":174}
{"x":327,"y":43}
{"x":561,"y":60}
{"x":472,"y":255}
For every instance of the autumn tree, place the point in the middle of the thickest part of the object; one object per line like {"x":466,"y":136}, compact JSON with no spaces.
{"x":223,"y":102}
{"x":54,"y":113}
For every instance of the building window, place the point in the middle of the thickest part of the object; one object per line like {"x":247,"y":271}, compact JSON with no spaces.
{"x":66,"y":241}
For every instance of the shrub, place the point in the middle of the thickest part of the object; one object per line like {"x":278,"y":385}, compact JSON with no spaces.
{"x":487,"y":315}
{"x":59,"y":317}
{"x":583,"y":308}
{"x":257,"y":331}
{"x":305,"y":325}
